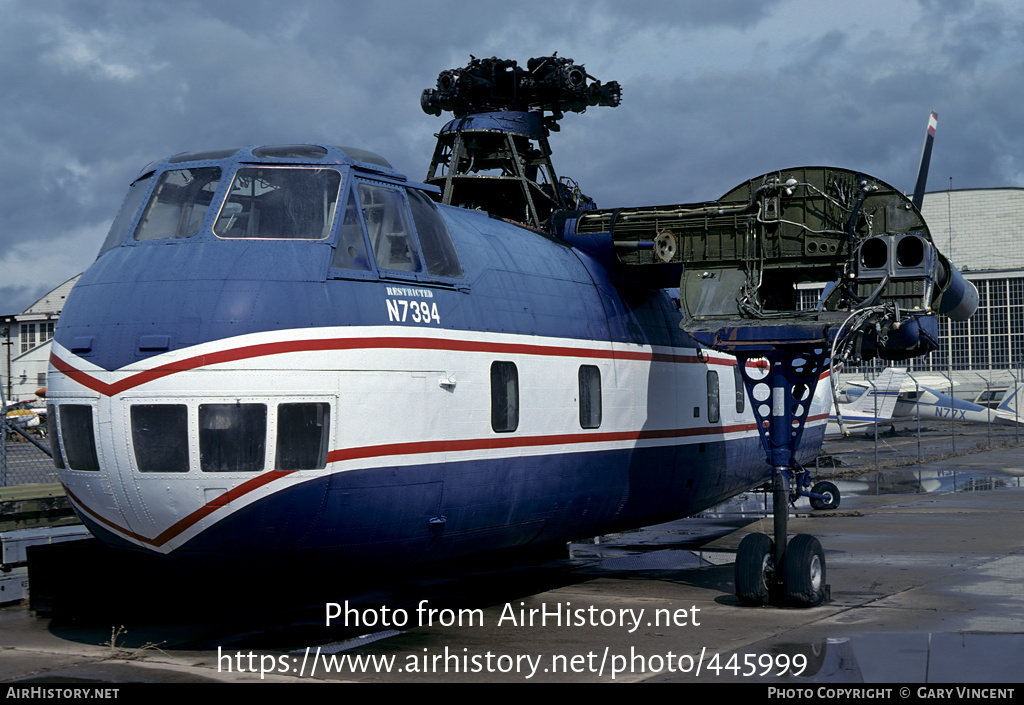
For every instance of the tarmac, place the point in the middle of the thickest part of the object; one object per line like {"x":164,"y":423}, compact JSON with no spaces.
{"x":925,"y":566}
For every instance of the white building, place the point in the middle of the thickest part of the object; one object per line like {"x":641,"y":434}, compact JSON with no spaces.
{"x":982,"y":232}
{"x":25,"y":339}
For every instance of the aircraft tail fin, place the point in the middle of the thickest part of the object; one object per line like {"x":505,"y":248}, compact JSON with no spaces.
{"x":1009,"y":407}
{"x":884,"y":392}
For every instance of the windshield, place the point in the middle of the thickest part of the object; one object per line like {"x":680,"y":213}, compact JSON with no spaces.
{"x":178,"y":204}
{"x":280,"y":203}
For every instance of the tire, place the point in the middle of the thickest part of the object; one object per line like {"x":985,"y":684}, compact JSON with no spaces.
{"x":754,"y":569}
{"x":803,"y":571}
{"x":831,"y":493}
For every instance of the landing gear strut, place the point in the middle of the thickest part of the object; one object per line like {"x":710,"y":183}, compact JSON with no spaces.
{"x":778,"y":570}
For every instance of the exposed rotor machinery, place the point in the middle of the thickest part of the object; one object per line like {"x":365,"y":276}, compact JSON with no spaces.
{"x":738,"y":261}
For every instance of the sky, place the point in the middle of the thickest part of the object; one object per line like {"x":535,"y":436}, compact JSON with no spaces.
{"x":714,"y":93}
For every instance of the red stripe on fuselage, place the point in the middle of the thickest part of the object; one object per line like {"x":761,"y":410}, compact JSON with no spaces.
{"x":497,"y":442}
{"x":393,"y":449}
{"x":183,"y":524}
{"x":314,"y":345}
{"x":411,"y":448}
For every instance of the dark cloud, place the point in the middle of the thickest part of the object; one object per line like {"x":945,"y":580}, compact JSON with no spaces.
{"x":714,"y":93}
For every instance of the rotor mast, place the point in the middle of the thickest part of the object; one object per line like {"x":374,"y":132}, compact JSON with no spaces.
{"x":495,"y":156}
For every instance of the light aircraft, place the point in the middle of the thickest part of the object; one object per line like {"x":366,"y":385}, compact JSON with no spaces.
{"x":917,"y":396}
{"x":932,"y":404}
{"x":296,"y":353}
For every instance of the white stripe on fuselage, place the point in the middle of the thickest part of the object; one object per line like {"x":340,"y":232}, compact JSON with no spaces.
{"x":399,"y":397}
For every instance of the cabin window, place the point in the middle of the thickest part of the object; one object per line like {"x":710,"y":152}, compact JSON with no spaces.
{"x":439,"y":254}
{"x":504,"y":397}
{"x":351,"y":250}
{"x":55,"y":453}
{"x":714,"y":410}
{"x":78,"y":437}
{"x":125,"y":216}
{"x":590,"y":396}
{"x":160,"y":437}
{"x":741,"y":391}
{"x":303,"y":436}
{"x":274,"y":203}
{"x":232,"y":437}
{"x":178,"y":204}
{"x":387,"y":224}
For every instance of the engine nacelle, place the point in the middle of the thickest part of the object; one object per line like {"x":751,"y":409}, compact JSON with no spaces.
{"x":911,"y":267}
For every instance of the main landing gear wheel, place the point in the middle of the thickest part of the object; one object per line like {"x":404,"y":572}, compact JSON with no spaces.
{"x":803,"y":571}
{"x":755,"y":569}
{"x":831,"y":492}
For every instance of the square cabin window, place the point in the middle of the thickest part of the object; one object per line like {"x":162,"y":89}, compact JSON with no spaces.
{"x":303,"y":435}
{"x":714,"y":403}
{"x":78,"y":437}
{"x":232,"y":437}
{"x":590,"y":396}
{"x":504,"y":397}
{"x":160,"y":437}
{"x":741,"y":390}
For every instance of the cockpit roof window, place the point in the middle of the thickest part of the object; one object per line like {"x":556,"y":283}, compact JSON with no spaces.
{"x":179,"y":203}
{"x":280,"y":203}
{"x":202,"y":156}
{"x":290,"y":151}
{"x":366,"y":156}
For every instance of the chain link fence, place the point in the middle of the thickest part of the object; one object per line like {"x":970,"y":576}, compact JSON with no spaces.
{"x":936,"y":428}
{"x":25,"y":456}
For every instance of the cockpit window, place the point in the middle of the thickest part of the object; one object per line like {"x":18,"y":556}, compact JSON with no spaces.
{"x":399,"y":229}
{"x":280,"y":204}
{"x":119,"y":228}
{"x":351,"y":250}
{"x":387,"y":224}
{"x":435,"y":241}
{"x":178,"y":204}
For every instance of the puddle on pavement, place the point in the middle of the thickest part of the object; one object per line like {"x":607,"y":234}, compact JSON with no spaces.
{"x":677,"y":545}
{"x":886,"y":658}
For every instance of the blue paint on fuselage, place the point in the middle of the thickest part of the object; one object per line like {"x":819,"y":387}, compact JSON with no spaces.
{"x":204,"y":288}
